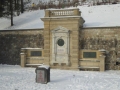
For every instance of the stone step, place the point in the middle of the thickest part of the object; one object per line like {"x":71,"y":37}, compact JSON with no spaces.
{"x":87,"y":67}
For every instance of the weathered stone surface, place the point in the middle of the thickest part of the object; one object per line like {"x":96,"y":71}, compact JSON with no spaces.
{"x":103,"y":38}
{"x":11,"y":43}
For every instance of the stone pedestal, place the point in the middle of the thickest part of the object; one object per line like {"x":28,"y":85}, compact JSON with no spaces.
{"x":23,"y":59}
{"x":102,"y":63}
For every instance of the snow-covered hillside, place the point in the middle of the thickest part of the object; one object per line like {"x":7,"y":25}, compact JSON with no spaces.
{"x":94,"y":16}
{"x":27,"y":20}
{"x":101,"y":16}
{"x":17,"y":78}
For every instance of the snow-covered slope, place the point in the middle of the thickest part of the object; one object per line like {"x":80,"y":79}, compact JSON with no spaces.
{"x":27,"y":20}
{"x":17,"y":78}
{"x":94,"y":16}
{"x":101,"y":16}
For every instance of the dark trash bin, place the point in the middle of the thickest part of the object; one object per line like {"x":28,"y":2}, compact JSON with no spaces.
{"x":42,"y":74}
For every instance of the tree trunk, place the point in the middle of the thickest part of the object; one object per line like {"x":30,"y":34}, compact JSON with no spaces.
{"x":15,"y":4}
{"x":21,"y":6}
{"x":11,"y":10}
{"x":18,"y":8}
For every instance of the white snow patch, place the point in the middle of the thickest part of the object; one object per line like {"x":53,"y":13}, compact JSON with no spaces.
{"x":43,"y":66}
{"x":31,"y":48}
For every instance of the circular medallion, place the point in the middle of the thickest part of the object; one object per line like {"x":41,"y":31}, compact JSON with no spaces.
{"x":60,"y":42}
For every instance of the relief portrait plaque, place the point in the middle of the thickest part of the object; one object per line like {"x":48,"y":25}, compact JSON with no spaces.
{"x":60,"y":42}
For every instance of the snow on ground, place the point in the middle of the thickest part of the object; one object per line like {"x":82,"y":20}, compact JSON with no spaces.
{"x":94,"y":16}
{"x":4,"y":22}
{"x":18,"y":78}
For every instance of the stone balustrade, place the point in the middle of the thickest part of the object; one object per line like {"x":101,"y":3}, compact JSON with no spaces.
{"x":62,"y":12}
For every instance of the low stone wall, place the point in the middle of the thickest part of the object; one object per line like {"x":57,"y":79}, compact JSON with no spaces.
{"x":107,"y":38}
{"x":11,"y":42}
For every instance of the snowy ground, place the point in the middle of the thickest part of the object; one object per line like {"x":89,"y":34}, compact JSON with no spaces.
{"x":17,"y":78}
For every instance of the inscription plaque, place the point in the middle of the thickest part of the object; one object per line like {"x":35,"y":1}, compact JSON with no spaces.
{"x":59,"y":50}
{"x":40,"y":76}
{"x":36,"y":53}
{"x":89,"y":54}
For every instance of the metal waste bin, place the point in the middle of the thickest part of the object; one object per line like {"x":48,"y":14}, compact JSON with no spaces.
{"x":42,"y":74}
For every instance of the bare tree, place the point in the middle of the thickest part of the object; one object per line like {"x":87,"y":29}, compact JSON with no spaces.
{"x":9,"y":8}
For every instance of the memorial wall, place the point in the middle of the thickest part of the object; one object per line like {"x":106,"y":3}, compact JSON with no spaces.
{"x":61,"y":41}
{"x":107,"y":38}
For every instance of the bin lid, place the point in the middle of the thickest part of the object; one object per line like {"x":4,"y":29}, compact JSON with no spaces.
{"x":43,"y":66}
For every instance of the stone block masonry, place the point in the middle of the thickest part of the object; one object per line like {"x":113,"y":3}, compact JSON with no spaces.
{"x":107,"y":38}
{"x":11,"y":43}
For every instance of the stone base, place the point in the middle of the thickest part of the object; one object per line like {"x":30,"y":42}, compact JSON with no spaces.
{"x":64,"y":68}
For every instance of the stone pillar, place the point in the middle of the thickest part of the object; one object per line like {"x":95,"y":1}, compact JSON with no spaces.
{"x":102,"y":62}
{"x":47,"y":12}
{"x":77,"y":12}
{"x":75,"y":48}
{"x":23,"y":59}
{"x":47,"y":42}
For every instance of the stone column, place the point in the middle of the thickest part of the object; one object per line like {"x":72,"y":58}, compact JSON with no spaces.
{"x":102,"y":62}
{"x":75,"y":48}
{"x":47,"y":42}
{"x":23,"y":59}
{"x":47,"y":13}
{"x":47,"y":38}
{"x":77,"y":12}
